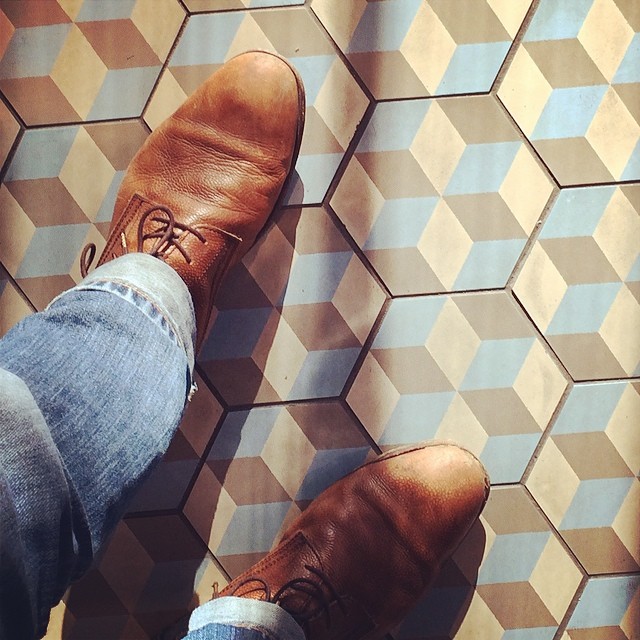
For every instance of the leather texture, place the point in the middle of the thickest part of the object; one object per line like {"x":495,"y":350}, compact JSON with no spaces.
{"x":219,"y":165}
{"x":363,"y":553}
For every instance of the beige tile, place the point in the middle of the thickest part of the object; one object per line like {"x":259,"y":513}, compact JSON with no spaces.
{"x":479,"y":621}
{"x":160,"y":34}
{"x":621,"y":328}
{"x":339,"y":18}
{"x":16,"y":231}
{"x":249,"y":32}
{"x":168,"y":96}
{"x":460,"y":425}
{"x":622,"y":428}
{"x":13,"y":308}
{"x":625,"y":524}
{"x":481,"y":23}
{"x":511,"y":13}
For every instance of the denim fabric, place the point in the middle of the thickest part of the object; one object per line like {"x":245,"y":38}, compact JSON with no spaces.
{"x":250,"y":616}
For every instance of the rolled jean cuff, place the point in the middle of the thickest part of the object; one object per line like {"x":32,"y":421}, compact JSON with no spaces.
{"x":267,"y":618}
{"x":156,"y":282}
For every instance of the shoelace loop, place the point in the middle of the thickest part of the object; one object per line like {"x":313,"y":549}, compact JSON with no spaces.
{"x":306,"y":586}
{"x":166,"y":235}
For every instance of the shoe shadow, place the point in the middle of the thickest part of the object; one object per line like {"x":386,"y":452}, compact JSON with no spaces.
{"x":441,"y":612}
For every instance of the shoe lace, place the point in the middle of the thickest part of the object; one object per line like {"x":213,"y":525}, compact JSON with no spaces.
{"x":167,"y":235}
{"x":315,"y":588}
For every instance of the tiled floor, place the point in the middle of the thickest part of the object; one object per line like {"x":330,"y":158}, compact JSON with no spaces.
{"x":458,"y":258}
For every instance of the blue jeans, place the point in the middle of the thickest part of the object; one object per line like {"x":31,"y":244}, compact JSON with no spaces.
{"x":91,"y":392}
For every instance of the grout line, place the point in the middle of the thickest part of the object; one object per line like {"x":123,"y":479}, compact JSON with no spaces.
{"x":5,"y":275}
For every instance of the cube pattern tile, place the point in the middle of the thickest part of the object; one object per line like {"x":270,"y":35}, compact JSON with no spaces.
{"x":586,"y":476}
{"x":441,"y":195}
{"x":210,"y":39}
{"x":290,"y":321}
{"x":74,"y":61}
{"x":588,"y":253}
{"x":521,"y":589}
{"x":583,"y":116}
{"x":457,"y":258}
{"x":416,"y":383}
{"x":412,"y":48}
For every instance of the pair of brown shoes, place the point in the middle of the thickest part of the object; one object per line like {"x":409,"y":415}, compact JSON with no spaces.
{"x":196,"y":196}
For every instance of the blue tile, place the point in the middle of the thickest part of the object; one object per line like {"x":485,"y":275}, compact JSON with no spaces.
{"x":596,"y":503}
{"x":604,"y":602}
{"x":408,"y":322}
{"x":105,"y":213}
{"x":315,"y":277}
{"x":482,"y":168}
{"x":489,"y":264}
{"x":497,"y":364}
{"x":634,"y":272}
{"x":329,"y":466}
{"x":313,"y":70}
{"x":32,"y":51}
{"x":383,"y":26}
{"x":124,"y":93}
{"x":506,"y":457}
{"x":315,"y":172}
{"x":513,"y":557}
{"x":400,"y":223}
{"x":536,"y":633}
{"x":243,"y":434}
{"x":393,"y":125}
{"x":235,"y":333}
{"x":577,"y":212}
{"x":324,"y":373}
{"x":583,"y":308}
{"x":52,"y":250}
{"x":557,"y":20}
{"x":253,"y":528}
{"x":416,"y":417}
{"x":589,"y":408}
{"x":632,"y":170}
{"x":105,"y":10}
{"x":206,"y":39}
{"x":41,"y":153}
{"x":569,"y":112}
{"x":473,"y":67}
{"x":629,"y":69}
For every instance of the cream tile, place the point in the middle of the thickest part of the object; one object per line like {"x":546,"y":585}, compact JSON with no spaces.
{"x":437,"y":147}
{"x":168,"y":96}
{"x":623,"y":428}
{"x":540,"y":287}
{"x":553,"y":483}
{"x":479,"y":622}
{"x":249,"y":36}
{"x":621,"y":328}
{"x":428,"y":47}
{"x":445,"y":244}
{"x":524,"y":91}
{"x":555,"y":578}
{"x":160,"y":34}
{"x":78,"y":72}
{"x":460,"y":425}
{"x":606,"y":36}
{"x":511,"y":13}
{"x":626,"y":521}
{"x":71,"y":7}
{"x":613,"y":133}
{"x":340,"y":18}
{"x":16,"y":231}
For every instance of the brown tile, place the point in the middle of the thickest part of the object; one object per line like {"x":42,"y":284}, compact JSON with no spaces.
{"x":42,"y":290}
{"x":397,"y":174}
{"x":319,"y":326}
{"x":95,"y":598}
{"x":592,"y":455}
{"x":586,"y":356}
{"x":38,"y":100}
{"x":530,"y":611}
{"x":46,"y":201}
{"x":482,"y":26}
{"x":579,"y":260}
{"x":6,"y":33}
{"x":412,"y":370}
{"x":310,"y":230}
{"x":630,"y":9}
{"x":493,"y":317}
{"x":33,"y":13}
{"x":500,"y":411}
{"x":318,"y":138}
{"x":509,"y":510}
{"x":597,"y":633}
{"x":393,"y":265}
{"x":119,"y":44}
{"x":119,"y":142}
{"x":9,"y":129}
{"x":600,"y":550}
{"x":578,"y":69}
{"x":191,"y":77}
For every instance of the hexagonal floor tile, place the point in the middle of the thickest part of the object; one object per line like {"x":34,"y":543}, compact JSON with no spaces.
{"x":441,"y":195}
{"x":248,"y":491}
{"x":77,"y":61}
{"x":524,"y":579}
{"x":608,"y":608}
{"x":211,"y":6}
{"x":53,"y":204}
{"x":581,"y":281}
{"x":583,"y":117}
{"x":335,"y":102}
{"x":290,"y":321}
{"x":10,"y":129}
{"x":412,"y":48}
{"x":586,"y":476}
{"x":143,"y":583}
{"x":13,"y":307}
{"x":465,"y":367}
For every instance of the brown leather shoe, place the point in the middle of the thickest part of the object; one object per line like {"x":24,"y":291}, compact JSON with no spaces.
{"x":204,"y":183}
{"x":358,"y":559}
